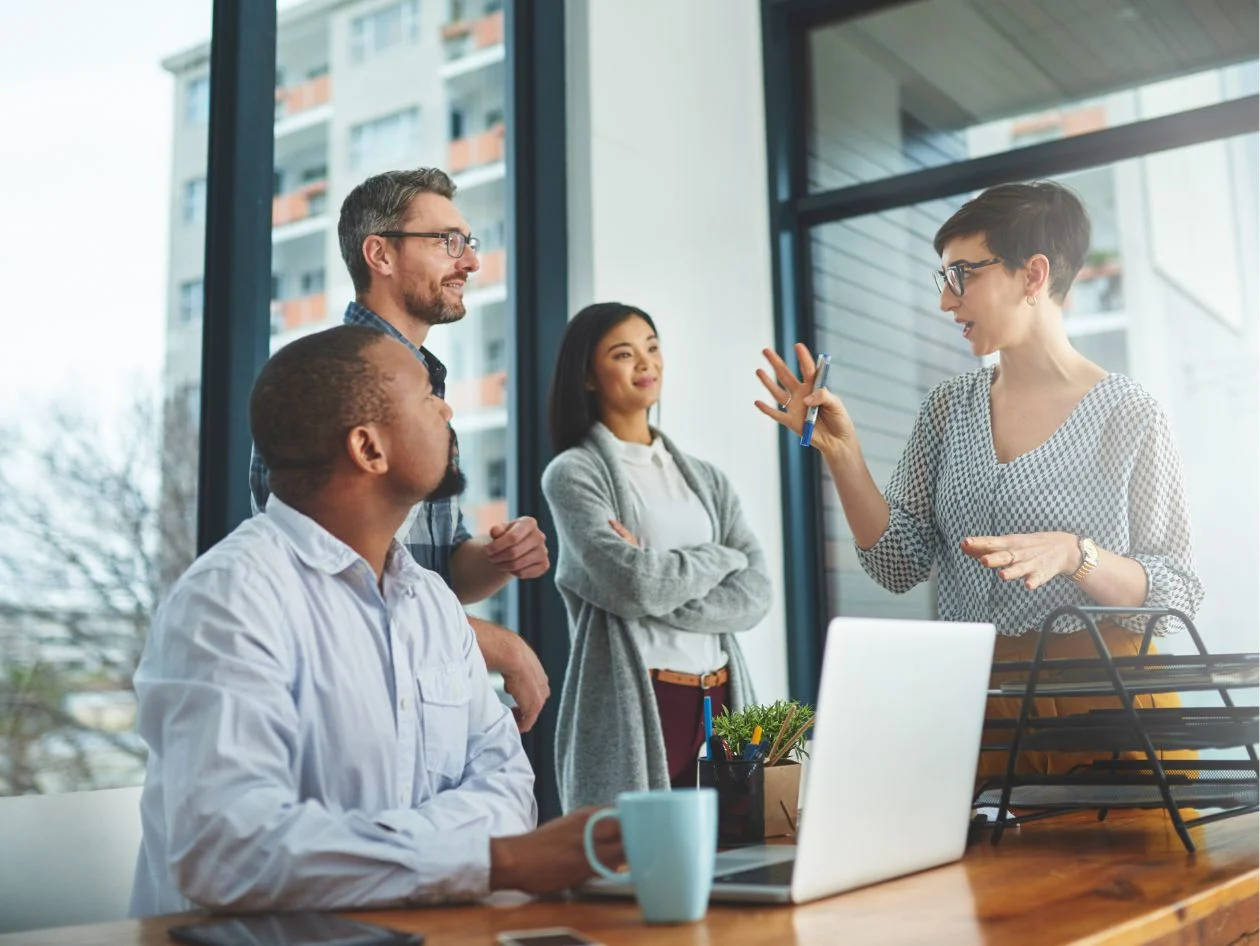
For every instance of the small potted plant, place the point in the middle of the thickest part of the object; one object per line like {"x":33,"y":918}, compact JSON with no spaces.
{"x":777,"y":731}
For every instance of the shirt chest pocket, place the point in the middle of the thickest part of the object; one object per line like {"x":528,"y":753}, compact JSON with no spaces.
{"x":444,"y":718}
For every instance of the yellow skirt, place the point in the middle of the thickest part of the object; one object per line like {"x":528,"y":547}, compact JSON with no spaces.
{"x":1120,"y":641}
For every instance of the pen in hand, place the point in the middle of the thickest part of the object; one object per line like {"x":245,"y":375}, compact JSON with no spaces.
{"x":811,"y":415}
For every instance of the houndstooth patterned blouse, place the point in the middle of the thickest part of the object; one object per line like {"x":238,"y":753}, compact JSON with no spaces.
{"x":1111,"y":472}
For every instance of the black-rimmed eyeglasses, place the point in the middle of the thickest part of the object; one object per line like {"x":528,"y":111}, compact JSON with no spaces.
{"x":955,"y":274}
{"x":454,"y":241}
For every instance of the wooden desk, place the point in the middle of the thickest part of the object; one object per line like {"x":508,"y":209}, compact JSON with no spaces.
{"x":1065,"y":880}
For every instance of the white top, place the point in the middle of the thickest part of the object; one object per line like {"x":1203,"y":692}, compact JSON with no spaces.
{"x":670,"y":516}
{"x":316,"y":743}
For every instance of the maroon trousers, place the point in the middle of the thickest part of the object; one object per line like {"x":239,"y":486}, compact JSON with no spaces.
{"x":682,"y":721}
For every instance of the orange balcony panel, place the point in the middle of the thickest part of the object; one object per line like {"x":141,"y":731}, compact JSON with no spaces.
{"x":476,"y":150}
{"x":298,"y":98}
{"x":488,"y":31}
{"x":296,"y":204}
{"x":1082,"y":121}
{"x":489,"y":514}
{"x":493,"y":391}
{"x":1078,"y":121}
{"x":475,"y":393}
{"x":307,"y":310}
{"x":493,"y":269}
{"x":456,"y":29}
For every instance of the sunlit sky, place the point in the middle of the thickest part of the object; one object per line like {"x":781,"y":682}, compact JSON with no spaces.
{"x":86,"y":110}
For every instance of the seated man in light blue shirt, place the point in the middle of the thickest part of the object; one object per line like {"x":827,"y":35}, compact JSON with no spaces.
{"x":322,"y":730}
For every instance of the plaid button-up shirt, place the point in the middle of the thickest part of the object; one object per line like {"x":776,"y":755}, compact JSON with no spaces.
{"x":433,"y":530}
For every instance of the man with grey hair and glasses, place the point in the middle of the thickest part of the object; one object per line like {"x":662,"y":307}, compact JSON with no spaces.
{"x":410,"y":253}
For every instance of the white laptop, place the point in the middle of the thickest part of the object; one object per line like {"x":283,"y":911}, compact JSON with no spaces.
{"x":892,"y":765}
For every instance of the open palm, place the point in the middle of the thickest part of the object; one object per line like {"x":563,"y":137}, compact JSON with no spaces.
{"x":833,"y":430}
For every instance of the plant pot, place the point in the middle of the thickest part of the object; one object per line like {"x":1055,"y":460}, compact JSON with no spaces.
{"x":783,"y":790}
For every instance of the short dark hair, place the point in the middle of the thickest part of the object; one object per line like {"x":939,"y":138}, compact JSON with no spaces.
{"x":572,"y":409}
{"x":1018,"y":221}
{"x":378,"y":204}
{"x":307,"y":397}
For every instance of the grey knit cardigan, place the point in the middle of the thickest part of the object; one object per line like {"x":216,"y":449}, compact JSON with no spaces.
{"x":609,"y":739}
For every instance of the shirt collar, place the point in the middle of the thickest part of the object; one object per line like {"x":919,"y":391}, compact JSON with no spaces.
{"x":320,"y":550}
{"x":637,"y":453}
{"x":357,"y":314}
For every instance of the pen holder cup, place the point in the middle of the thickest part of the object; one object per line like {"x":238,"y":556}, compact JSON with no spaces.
{"x":741,"y":791}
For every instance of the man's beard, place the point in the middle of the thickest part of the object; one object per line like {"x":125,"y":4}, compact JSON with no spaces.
{"x":453,"y":481}
{"x":437,"y":311}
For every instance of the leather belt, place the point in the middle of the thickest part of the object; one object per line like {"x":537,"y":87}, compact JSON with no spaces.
{"x":704,"y":681}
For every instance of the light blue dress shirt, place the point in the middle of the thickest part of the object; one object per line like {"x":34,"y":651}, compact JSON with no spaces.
{"x":316,"y":743}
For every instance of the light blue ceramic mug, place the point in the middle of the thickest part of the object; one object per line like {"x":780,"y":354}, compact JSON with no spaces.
{"x":670,"y":837}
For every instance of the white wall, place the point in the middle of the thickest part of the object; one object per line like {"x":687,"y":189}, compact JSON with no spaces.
{"x":668,"y":211}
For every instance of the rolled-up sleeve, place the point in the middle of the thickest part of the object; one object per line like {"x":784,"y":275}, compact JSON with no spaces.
{"x":1159,"y":520}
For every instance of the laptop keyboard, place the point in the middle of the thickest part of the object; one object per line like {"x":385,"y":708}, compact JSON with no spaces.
{"x":768,"y":875}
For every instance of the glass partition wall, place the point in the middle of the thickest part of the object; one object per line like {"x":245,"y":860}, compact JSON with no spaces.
{"x":903,"y":111}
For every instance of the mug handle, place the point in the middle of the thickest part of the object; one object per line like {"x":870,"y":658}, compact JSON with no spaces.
{"x":588,"y":844}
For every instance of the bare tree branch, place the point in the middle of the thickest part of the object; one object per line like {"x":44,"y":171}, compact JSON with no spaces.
{"x":93,"y":529}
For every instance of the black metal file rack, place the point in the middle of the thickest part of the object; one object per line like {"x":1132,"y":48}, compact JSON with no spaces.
{"x":1227,"y":786}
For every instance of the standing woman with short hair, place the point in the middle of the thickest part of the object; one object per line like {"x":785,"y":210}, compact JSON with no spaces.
{"x":656,"y":565}
{"x":1039,"y":481}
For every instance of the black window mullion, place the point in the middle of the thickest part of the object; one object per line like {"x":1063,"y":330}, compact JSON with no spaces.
{"x":784,"y":47}
{"x":1061,"y":156}
{"x":539,"y":305}
{"x":236,"y":324}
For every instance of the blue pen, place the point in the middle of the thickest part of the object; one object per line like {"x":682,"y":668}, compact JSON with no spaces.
{"x":811,"y":415}
{"x":708,"y":720}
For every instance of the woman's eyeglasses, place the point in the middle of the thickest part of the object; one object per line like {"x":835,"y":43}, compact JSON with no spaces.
{"x":454,"y":241}
{"x":955,"y":274}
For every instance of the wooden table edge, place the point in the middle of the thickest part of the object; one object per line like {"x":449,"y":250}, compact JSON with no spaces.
{"x":1171,"y":918}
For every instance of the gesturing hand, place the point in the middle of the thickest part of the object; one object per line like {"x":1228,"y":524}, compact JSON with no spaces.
{"x":519,"y":547}
{"x":1036,"y":557}
{"x":793,"y":397}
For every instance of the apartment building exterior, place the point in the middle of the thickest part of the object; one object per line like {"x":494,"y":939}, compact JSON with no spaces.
{"x":364,"y":86}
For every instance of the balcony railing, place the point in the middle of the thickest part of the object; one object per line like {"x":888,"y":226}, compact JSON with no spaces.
{"x":493,"y":269}
{"x":1066,"y":124}
{"x":292,"y":99}
{"x":467,"y":36}
{"x":489,"y":514}
{"x":1097,"y":289}
{"x":309,"y":200}
{"x":288,"y":314}
{"x":468,"y":394}
{"x":476,"y":150}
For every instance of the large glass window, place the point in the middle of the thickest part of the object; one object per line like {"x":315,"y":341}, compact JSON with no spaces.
{"x":373,"y":33}
{"x":365,"y":113}
{"x":391,"y":141}
{"x":925,"y":84}
{"x":193,"y":205}
{"x":1167,"y":293}
{"x":98,"y":456}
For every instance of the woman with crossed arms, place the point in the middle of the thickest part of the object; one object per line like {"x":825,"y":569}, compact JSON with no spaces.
{"x":656,"y":565}
{"x":1042,"y":480}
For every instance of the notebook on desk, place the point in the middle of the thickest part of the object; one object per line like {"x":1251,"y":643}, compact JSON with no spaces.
{"x":892,"y":764}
